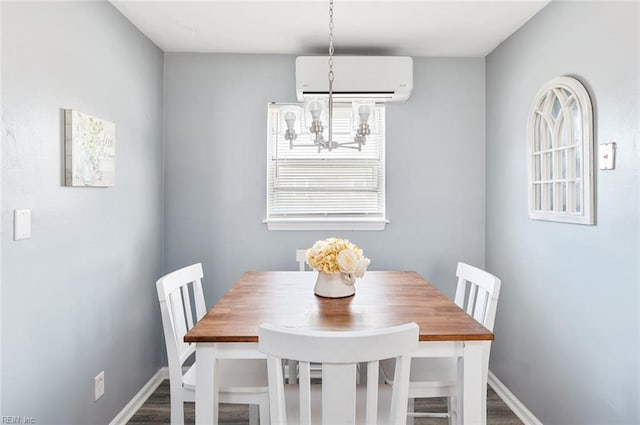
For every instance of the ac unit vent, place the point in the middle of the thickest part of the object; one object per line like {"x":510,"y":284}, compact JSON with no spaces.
{"x":382,"y":78}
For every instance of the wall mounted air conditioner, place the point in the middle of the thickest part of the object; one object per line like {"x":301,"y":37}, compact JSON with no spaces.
{"x":383,"y":78}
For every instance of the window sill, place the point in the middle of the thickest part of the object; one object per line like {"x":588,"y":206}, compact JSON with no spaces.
{"x":561,"y":217}
{"x":326,"y":223}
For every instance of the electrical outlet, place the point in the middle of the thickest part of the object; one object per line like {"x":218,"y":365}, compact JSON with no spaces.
{"x":98,"y":382}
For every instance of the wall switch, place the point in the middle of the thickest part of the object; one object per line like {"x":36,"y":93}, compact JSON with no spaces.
{"x":21,"y":224}
{"x":607,"y":158}
{"x":99,"y":385}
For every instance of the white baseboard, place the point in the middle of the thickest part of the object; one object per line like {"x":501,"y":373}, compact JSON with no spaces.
{"x":510,"y":400}
{"x":138,"y":400}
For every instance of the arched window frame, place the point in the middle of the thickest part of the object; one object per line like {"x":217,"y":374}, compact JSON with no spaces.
{"x":560,"y":161}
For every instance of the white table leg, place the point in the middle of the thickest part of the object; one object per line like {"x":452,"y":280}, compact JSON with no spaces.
{"x":457,"y":417}
{"x":474,"y":396}
{"x":206,"y":384}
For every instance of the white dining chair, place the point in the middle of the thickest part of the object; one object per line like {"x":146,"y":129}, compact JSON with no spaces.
{"x":241,"y":381}
{"x":477,"y":293}
{"x":338,"y":400}
{"x":301,"y":258}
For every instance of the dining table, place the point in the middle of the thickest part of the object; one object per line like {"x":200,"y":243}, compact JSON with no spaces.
{"x":382,"y":299}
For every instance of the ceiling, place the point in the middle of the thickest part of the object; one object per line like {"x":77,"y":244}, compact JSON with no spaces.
{"x":300,"y":27}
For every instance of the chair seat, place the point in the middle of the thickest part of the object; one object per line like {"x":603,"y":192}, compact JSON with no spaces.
{"x":238,"y":376}
{"x":293,"y":408}
{"x":429,"y":376}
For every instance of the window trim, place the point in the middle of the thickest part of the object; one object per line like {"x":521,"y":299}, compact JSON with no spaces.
{"x":328,"y":223}
{"x":583,"y":102}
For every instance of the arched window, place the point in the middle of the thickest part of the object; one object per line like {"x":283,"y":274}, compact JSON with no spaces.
{"x":560,"y":153}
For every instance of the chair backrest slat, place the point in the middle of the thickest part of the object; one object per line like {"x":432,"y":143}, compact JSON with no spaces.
{"x":471,"y":300}
{"x":198,"y":296}
{"x":180,"y":328}
{"x":400,"y":395}
{"x":276,"y":390}
{"x":339,"y":353}
{"x":480,"y":310}
{"x":186,"y":302}
{"x":461,"y":291}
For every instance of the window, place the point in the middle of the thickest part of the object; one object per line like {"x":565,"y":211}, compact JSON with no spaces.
{"x":560,"y":151}
{"x":342,"y":189}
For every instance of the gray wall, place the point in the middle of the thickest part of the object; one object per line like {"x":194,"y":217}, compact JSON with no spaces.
{"x":215,"y":170}
{"x":567,"y":325}
{"x":79,"y":297}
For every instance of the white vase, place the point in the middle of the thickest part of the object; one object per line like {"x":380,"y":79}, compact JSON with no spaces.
{"x":335,"y":285}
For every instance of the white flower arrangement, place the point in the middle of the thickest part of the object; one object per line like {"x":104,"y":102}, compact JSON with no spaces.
{"x":335,"y":255}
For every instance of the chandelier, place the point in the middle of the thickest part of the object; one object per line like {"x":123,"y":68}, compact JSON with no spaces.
{"x":320,"y":109}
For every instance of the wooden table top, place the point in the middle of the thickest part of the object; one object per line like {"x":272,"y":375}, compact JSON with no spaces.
{"x":382,"y":299}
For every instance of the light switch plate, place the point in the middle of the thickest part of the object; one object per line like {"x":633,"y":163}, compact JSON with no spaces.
{"x":21,"y":224}
{"x":607,"y":158}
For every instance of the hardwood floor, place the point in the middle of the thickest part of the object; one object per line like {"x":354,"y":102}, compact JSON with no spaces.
{"x":156,"y":411}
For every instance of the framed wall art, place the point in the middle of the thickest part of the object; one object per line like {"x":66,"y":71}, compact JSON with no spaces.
{"x":89,"y":144}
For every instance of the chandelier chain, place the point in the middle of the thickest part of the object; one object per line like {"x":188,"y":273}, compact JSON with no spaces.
{"x":314,"y":106}
{"x":331,"y":40}
{"x":330,"y":142}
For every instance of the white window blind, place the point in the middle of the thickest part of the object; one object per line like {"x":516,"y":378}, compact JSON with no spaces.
{"x":339,"y":189}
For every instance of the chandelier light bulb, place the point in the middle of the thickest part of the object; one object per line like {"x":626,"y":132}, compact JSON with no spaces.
{"x":364,"y":113}
{"x":315,"y":108}
{"x":290,"y":119}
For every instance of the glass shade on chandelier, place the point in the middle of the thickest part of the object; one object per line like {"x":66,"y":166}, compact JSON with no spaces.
{"x":291,"y":122}
{"x":362,"y":124}
{"x":316,"y":114}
